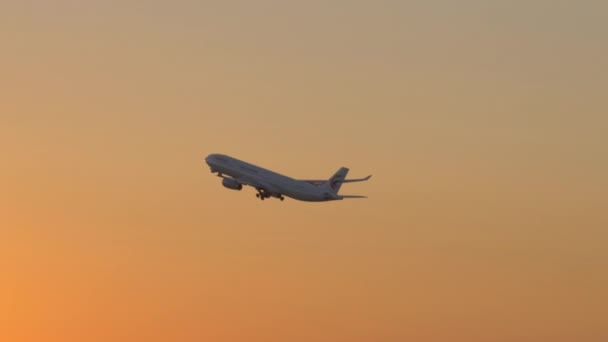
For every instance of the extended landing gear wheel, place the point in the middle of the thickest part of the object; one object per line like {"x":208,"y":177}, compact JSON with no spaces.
{"x":282,"y":198}
{"x":257,"y":195}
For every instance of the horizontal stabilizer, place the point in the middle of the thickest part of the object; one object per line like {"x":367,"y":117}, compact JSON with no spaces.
{"x":357,"y":180}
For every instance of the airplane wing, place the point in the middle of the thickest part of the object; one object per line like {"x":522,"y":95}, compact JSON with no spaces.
{"x":351,"y":196}
{"x":254,"y":184}
{"x":245,"y":182}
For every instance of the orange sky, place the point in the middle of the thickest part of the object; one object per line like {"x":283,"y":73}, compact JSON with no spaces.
{"x":483,"y":122}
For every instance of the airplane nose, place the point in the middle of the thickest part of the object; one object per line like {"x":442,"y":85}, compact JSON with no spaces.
{"x":209,"y":159}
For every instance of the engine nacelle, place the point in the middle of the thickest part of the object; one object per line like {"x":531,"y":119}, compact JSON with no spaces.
{"x":231,"y":184}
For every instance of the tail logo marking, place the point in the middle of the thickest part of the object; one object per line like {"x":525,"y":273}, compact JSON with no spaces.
{"x":334,"y":184}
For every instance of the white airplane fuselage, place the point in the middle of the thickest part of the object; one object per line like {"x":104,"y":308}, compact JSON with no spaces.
{"x":277,"y":184}
{"x":236,"y":173}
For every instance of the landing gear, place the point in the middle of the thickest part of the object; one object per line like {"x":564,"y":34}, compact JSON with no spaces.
{"x":263,"y":194}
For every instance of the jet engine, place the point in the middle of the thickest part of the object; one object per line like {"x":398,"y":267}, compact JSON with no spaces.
{"x":232,"y":184}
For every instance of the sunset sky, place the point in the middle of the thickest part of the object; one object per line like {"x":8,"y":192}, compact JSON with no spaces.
{"x":484,"y":123}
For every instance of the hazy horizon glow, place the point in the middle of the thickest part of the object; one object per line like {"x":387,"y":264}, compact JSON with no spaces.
{"x":483,"y":122}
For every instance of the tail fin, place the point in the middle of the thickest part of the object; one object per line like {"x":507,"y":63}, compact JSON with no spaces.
{"x":335,"y":182}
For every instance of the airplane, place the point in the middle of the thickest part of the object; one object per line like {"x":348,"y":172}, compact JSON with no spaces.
{"x":237,"y":173}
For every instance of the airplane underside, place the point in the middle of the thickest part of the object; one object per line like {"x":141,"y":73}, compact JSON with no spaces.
{"x":263,"y":194}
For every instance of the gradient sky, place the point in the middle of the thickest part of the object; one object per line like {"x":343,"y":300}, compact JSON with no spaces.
{"x":484,"y":123}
